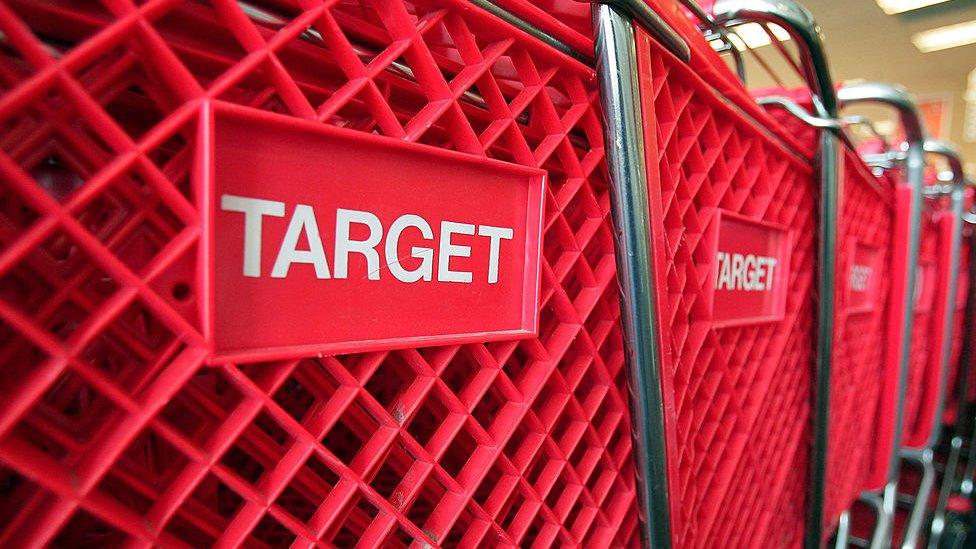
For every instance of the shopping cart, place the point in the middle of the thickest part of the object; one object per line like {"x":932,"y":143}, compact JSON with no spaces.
{"x":863,"y":375}
{"x":879,"y":484}
{"x":118,"y":425}
{"x":957,"y":364}
{"x":726,"y":192}
{"x":932,"y":342}
{"x":130,"y":416}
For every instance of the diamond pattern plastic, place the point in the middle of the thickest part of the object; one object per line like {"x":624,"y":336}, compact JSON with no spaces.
{"x":741,"y":396}
{"x":925,"y":375}
{"x":958,"y":331}
{"x":114,"y":429}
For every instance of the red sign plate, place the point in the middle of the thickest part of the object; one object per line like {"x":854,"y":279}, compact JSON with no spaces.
{"x":751,"y":271}
{"x":862,"y":278}
{"x":324,"y":240}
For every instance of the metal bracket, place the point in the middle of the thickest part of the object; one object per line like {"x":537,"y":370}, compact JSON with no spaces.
{"x":796,"y":110}
{"x":642,"y":14}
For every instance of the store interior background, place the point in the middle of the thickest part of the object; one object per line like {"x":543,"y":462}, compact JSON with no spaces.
{"x":863,"y":42}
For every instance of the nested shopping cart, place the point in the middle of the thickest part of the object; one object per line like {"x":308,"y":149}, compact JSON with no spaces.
{"x":672,"y":297}
{"x":731,"y":202}
{"x":120,"y":423}
{"x":958,"y":369}
{"x":892,"y":214}
{"x":864,"y":366}
{"x":869,"y":307}
{"x":936,"y":302}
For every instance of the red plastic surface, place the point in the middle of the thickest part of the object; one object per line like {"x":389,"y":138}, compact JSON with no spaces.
{"x":928,"y":331}
{"x":861,"y":398}
{"x":347,"y":248}
{"x":113,"y":430}
{"x":956,"y":370}
{"x":739,"y":397}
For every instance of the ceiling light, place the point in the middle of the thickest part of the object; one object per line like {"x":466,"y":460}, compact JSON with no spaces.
{"x":753,"y":35}
{"x":943,"y":38}
{"x":892,"y":7}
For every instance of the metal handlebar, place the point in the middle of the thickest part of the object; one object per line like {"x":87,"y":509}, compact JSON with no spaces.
{"x":642,"y":14}
{"x":894,"y":96}
{"x":802,"y":27}
{"x":947,"y":151}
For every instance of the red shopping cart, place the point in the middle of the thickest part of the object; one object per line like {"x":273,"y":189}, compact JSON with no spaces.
{"x":900,"y":188}
{"x":957,"y":367}
{"x":116,"y":424}
{"x":864,"y":366}
{"x":730,"y":206}
{"x":138,"y":408}
{"x":935,"y":304}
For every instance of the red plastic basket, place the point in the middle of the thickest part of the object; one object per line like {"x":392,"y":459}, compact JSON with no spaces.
{"x":956,"y":369}
{"x":863,"y":372}
{"x":738,"y":397}
{"x":115,"y":429}
{"x":864,"y":376}
{"x":925,"y":373}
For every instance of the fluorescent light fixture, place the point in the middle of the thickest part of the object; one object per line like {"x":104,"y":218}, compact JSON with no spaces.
{"x":943,"y":38}
{"x":752,"y":35}
{"x":891,"y":7}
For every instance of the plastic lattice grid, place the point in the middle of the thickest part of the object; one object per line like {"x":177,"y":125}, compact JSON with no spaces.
{"x":958,"y":333}
{"x":114,"y":430}
{"x":925,"y":356}
{"x":861,"y":337}
{"x":738,"y":437}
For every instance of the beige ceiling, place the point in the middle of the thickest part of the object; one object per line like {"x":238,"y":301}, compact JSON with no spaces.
{"x":864,"y":43}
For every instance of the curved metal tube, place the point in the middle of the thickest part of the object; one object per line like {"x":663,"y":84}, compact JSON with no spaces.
{"x":643,"y":15}
{"x":796,"y":110}
{"x":803,"y":28}
{"x":892,"y":95}
{"x":947,"y":151}
{"x":624,"y":133}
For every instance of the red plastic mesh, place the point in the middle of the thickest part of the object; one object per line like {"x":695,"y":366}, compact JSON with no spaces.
{"x":738,"y":438}
{"x":112,"y":428}
{"x":924,"y":376}
{"x":860,"y":336}
{"x":958,"y":333}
